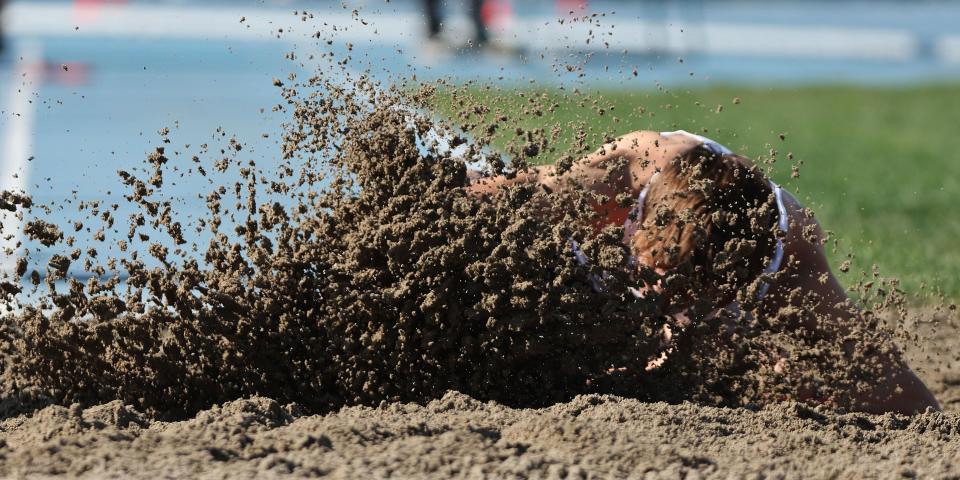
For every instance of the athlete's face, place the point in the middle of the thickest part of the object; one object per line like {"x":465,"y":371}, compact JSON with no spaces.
{"x":666,"y":285}
{"x":674,"y":292}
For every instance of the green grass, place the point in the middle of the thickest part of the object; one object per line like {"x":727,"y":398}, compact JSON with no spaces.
{"x":879,"y":166}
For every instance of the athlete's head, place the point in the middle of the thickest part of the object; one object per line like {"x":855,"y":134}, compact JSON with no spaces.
{"x":708,"y":225}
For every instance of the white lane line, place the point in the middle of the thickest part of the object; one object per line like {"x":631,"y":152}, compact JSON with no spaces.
{"x":812,"y":42}
{"x":723,"y":38}
{"x":187,"y":22}
{"x":404,"y":29}
{"x":948,"y":49}
{"x":17,"y":140}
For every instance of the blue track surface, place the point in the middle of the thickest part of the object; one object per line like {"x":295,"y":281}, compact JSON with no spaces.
{"x":89,"y":125}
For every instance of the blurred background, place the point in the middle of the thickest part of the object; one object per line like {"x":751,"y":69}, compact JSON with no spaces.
{"x":852,"y":104}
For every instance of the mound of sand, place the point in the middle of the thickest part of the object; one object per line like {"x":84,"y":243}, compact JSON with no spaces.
{"x":592,"y":436}
{"x":456,"y":436}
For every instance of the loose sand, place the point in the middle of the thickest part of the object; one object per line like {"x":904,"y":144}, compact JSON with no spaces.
{"x":355,"y":275}
{"x":592,"y":436}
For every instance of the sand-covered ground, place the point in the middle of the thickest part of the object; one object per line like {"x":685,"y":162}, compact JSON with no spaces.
{"x":592,"y":436}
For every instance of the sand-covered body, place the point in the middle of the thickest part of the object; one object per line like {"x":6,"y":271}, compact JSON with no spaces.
{"x":290,"y":327}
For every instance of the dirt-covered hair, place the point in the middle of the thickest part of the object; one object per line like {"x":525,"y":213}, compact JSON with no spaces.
{"x":710,"y":217}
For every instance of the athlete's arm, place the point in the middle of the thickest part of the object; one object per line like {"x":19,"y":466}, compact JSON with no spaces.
{"x":809,"y":285}
{"x":543,"y":175}
{"x":623,"y":166}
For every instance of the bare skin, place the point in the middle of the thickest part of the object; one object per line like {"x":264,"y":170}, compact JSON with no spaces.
{"x":636,"y":157}
{"x":898,"y":389}
{"x":625,"y":167}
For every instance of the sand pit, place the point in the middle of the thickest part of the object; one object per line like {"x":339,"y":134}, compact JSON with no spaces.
{"x":592,"y":436}
{"x":354,"y":312}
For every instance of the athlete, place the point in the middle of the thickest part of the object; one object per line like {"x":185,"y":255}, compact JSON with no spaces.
{"x":712,"y":216}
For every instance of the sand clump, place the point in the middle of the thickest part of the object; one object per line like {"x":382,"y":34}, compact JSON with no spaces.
{"x":357,"y":271}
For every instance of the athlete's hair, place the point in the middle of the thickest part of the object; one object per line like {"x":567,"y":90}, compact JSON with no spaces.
{"x":711,"y":217}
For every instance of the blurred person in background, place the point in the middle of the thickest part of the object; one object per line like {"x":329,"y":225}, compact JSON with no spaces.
{"x":3,"y":32}
{"x":435,"y":22}
{"x":490,"y":22}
